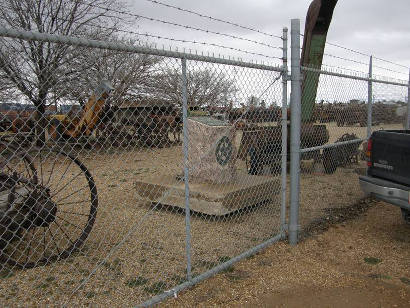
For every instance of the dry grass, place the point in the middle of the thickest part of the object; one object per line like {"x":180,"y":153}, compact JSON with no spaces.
{"x":151,"y":257}
{"x":329,"y":269}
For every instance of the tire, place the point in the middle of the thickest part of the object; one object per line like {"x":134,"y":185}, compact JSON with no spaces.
{"x":406,"y":215}
{"x":329,"y":161}
{"x":71,"y":190}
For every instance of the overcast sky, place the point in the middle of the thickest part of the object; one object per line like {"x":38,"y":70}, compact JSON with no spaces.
{"x":377,"y":27}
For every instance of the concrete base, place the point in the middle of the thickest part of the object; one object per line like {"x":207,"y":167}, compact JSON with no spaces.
{"x":210,"y":199}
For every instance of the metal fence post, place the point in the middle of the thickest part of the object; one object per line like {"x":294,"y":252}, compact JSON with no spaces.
{"x":186,"y":171}
{"x":284,"y":130}
{"x":295,"y":118}
{"x":370,"y":99}
{"x":408,"y":105}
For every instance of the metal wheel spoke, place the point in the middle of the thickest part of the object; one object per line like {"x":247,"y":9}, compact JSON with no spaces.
{"x":44,"y":242}
{"x":63,"y":232}
{"x":51,"y":172}
{"x":54,"y":241}
{"x":84,"y":187}
{"x":11,"y":170}
{"x":71,"y":161}
{"x":73,"y":202}
{"x":66,"y":221}
{"x":74,"y":213}
{"x":27,"y":167}
{"x":67,"y":183}
{"x":41,"y":168}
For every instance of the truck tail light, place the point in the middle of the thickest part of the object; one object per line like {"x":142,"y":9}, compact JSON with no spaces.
{"x":369,"y":152}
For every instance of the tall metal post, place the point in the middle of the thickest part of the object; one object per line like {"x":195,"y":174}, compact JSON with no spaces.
{"x":295,"y":120}
{"x":284,"y":130}
{"x":370,"y":98}
{"x":186,"y":171}
{"x":408,"y":106}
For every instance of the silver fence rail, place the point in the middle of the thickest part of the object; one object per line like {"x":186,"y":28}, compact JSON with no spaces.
{"x":131,"y":173}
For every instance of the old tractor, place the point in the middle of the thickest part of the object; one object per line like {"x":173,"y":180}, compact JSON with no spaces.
{"x":261,"y":145}
{"x":66,"y":127}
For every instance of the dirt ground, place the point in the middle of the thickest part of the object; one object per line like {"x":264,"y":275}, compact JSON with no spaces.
{"x":363,"y":262}
{"x":135,"y":252}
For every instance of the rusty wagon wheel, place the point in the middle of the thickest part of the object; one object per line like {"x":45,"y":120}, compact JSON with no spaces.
{"x":48,"y":205}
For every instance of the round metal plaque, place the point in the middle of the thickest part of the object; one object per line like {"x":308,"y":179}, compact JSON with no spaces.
{"x":223,"y":151}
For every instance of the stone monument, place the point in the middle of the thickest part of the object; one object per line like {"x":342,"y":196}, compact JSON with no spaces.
{"x":211,"y":150}
{"x":216,"y":187}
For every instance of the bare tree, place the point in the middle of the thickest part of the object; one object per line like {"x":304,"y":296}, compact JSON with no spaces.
{"x":204,"y":88}
{"x":8,"y":92}
{"x":36,"y":68}
{"x":131,"y":74}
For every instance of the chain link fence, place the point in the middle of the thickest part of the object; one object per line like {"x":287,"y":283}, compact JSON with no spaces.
{"x":118,"y":197}
{"x":329,"y":171}
{"x":338,"y":112}
{"x":113,"y":197}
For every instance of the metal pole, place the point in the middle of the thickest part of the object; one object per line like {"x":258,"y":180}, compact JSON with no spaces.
{"x":284,"y":130}
{"x":186,"y":171}
{"x":370,"y":98}
{"x":295,"y":118}
{"x":408,"y":105}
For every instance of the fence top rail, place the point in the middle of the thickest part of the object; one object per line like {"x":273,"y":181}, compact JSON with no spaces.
{"x":356,"y":77}
{"x":332,"y":145}
{"x":82,"y":42}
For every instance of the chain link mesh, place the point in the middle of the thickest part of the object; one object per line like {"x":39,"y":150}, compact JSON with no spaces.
{"x":240,"y":160}
{"x":92,"y":185}
{"x":70,"y":163}
{"x":389,"y":106}
{"x":337,"y":113}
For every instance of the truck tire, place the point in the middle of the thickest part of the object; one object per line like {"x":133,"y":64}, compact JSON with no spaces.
{"x":406,"y":215}
{"x":329,"y":161}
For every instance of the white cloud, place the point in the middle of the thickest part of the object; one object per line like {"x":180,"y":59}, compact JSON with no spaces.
{"x":371,"y":26}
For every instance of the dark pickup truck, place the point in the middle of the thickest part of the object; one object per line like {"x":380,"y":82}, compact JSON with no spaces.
{"x":388,"y":171}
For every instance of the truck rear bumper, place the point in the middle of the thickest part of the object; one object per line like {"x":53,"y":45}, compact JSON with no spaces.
{"x":393,"y":193}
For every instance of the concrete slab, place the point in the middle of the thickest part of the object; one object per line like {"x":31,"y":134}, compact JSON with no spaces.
{"x":207,"y":198}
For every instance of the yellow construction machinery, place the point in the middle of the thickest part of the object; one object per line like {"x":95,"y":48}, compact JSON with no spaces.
{"x":65,"y":127}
